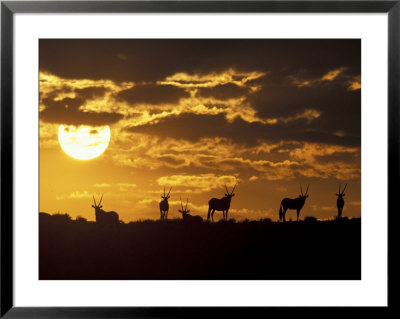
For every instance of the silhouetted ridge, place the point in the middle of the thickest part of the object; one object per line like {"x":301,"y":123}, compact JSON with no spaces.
{"x":175,"y":249}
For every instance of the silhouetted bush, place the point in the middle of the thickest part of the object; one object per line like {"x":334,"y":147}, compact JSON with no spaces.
{"x":342,"y":219}
{"x":81,"y":219}
{"x":310,"y":219}
{"x":44,"y":216}
{"x":61,"y":217}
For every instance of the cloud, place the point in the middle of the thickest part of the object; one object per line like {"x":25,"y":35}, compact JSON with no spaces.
{"x":354,"y":84}
{"x":283,"y":160}
{"x":74,"y":195}
{"x":272,"y":106}
{"x":105,"y":97}
{"x":224,"y":91}
{"x":280,"y":147}
{"x":102,"y":185}
{"x":79,"y":195}
{"x":227,"y":80}
{"x":308,"y":115}
{"x":318,"y":208}
{"x":48,"y":135}
{"x":117,"y":186}
{"x":331,"y":75}
{"x":155,"y":59}
{"x":322,"y":161}
{"x":186,"y":126}
{"x":193,"y":127}
{"x":311,"y":151}
{"x":153,"y":94}
{"x":78,"y":101}
{"x":90,"y":92}
{"x":337,"y":108}
{"x":355,"y":203}
{"x":67,"y":112}
{"x":57,"y":87}
{"x":337,"y":74}
{"x":202,"y":182}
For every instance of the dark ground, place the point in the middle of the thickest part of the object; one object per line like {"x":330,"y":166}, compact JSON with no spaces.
{"x":268,"y":250}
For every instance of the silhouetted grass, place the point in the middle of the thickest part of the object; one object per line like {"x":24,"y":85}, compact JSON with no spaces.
{"x":172,"y":249}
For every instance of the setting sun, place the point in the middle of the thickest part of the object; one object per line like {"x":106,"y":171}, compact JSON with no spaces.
{"x":84,"y":142}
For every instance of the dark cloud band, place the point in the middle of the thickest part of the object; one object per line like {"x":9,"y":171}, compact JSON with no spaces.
{"x":67,"y":112}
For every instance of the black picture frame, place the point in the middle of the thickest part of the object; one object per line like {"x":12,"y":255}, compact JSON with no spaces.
{"x":9,"y":8}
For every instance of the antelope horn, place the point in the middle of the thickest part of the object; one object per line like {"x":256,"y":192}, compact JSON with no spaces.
{"x":101,"y":199}
{"x":307,"y":189}
{"x":301,"y":190}
{"x":94,"y":201}
{"x":169,"y":191}
{"x":187,"y":200}
{"x":233,"y":188}
{"x":164,"y":191}
{"x":344,"y":188}
{"x":181,"y":203}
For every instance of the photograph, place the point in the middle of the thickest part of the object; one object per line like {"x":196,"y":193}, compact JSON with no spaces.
{"x":199,"y":159}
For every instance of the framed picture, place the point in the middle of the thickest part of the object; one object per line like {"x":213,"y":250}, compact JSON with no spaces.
{"x":160,"y":158}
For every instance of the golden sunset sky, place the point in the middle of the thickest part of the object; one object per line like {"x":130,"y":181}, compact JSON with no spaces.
{"x":198,"y":114}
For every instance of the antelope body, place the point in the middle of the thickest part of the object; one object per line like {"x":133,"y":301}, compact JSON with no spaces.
{"x":105,"y":218}
{"x":187,"y":218}
{"x":340,"y":201}
{"x":220,"y":204}
{"x":164,"y":206}
{"x":295,"y":203}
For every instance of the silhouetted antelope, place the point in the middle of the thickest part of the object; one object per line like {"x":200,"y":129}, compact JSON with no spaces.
{"x":221,"y":204}
{"x":186,"y":216}
{"x":164,"y":206}
{"x":296,"y":203}
{"x":340,"y":201}
{"x":105,"y":218}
